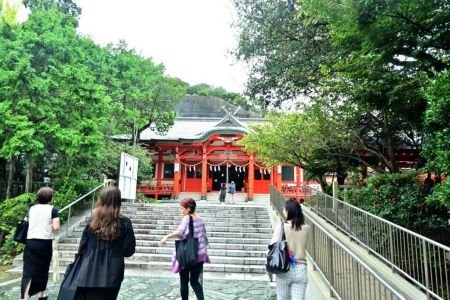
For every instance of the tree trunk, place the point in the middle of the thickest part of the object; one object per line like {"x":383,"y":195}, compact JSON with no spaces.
{"x":12,"y":171}
{"x":29,"y":176}
{"x":390,"y":148}
{"x":341,"y":174}
{"x":323,"y":182}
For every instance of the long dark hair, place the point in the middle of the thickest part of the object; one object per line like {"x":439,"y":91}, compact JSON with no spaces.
{"x":294,"y":214}
{"x":105,"y":222}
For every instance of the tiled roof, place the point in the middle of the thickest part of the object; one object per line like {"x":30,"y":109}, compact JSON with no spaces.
{"x":198,"y":128}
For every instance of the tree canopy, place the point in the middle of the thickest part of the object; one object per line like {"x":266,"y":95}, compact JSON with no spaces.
{"x":368,"y":63}
{"x":63,"y":98}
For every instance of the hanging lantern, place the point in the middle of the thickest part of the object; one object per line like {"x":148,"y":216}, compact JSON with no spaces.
{"x":210,"y":167}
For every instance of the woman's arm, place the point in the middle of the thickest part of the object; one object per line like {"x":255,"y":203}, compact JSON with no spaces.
{"x":169,"y":236}
{"x":55,"y":219}
{"x":130,"y":240}
{"x":55,"y":224}
{"x":177,"y":233}
{"x":276,"y":234}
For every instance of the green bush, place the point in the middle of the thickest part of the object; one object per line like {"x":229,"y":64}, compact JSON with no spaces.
{"x":12,"y":211}
{"x":401,"y":199}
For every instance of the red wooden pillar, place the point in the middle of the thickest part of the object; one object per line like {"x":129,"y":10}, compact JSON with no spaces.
{"x":176,"y":176}
{"x":159,"y":174}
{"x":297,"y":183}
{"x":278,"y":177}
{"x":251,"y":177}
{"x":204,"y":174}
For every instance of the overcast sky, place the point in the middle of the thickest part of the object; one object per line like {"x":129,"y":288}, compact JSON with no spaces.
{"x":192,"y":38}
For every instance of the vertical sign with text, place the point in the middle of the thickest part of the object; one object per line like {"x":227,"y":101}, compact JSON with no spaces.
{"x":128,"y":176}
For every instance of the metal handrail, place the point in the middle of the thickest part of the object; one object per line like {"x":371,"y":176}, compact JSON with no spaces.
{"x":335,"y":258}
{"x":420,"y":259}
{"x":69,"y":206}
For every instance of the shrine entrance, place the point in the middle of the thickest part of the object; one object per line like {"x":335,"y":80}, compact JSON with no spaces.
{"x":236,"y":174}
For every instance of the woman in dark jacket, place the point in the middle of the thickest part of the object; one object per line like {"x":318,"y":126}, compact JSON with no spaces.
{"x":107,"y":239}
{"x":223,"y":193}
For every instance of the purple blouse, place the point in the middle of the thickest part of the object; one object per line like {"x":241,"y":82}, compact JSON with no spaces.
{"x":199,"y":233}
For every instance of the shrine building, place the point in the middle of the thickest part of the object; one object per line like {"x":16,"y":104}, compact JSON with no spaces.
{"x":200,"y":151}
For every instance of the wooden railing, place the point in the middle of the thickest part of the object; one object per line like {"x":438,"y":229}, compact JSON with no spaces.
{"x":156,"y":191}
{"x":299,"y":193}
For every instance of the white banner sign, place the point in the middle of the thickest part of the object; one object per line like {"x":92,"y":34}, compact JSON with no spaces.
{"x":128,"y":176}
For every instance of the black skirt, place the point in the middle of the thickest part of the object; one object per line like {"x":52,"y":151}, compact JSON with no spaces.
{"x":36,"y":263}
{"x":97,"y":293}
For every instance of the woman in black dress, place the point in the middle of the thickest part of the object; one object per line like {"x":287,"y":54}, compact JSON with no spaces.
{"x":107,"y":239}
{"x":43,"y":219}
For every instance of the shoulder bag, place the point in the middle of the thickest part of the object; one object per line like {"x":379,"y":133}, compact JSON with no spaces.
{"x":277,"y":260}
{"x":69,"y":285}
{"x":187,"y":249}
{"x":20,"y":235}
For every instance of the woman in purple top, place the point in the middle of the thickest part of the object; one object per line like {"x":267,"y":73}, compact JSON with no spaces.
{"x":191,"y":274}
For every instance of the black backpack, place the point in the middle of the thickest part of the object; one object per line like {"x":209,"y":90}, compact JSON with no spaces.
{"x":277,"y":260}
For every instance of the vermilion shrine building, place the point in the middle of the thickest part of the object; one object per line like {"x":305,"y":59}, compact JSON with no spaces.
{"x":200,"y":152}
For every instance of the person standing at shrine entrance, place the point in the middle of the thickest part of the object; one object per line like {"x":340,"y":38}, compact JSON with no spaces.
{"x":231,"y":191}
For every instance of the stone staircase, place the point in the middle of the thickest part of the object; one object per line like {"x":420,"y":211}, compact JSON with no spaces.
{"x":238,"y":236}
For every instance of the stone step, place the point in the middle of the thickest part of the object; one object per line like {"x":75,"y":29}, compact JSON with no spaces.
{"x":150,"y":228}
{"x":153,"y":247}
{"x":205,"y":217}
{"x":217,"y":214}
{"x":212,"y":267}
{"x":225,"y":235}
{"x":205,"y":208}
{"x":151,"y":239}
{"x":131,"y":265}
{"x":207,"y":221}
{"x":163,"y":251}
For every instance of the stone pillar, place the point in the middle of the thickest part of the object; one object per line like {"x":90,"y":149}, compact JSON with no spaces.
{"x":251,"y":178}
{"x":204,"y":174}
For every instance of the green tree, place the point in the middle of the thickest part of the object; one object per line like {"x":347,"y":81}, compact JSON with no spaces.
{"x":51,"y":103}
{"x":64,"y":6}
{"x":284,"y":54}
{"x":204,"y":89}
{"x":437,"y":128}
{"x":300,"y":139}
{"x":144,"y":95}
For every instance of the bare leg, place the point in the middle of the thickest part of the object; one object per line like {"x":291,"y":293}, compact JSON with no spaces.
{"x":26,"y":295}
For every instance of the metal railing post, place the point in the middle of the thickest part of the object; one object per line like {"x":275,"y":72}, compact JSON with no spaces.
{"x":331,"y":264}
{"x":68,"y":221}
{"x":425,"y":268}
{"x":391,"y":248}
{"x":313,"y":241}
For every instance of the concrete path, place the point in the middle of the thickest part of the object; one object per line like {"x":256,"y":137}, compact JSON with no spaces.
{"x":165,"y":286}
